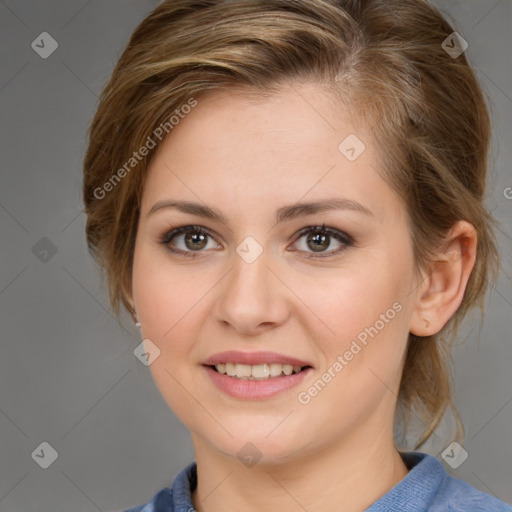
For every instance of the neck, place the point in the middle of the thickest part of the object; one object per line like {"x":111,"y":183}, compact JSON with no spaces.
{"x":342,"y":474}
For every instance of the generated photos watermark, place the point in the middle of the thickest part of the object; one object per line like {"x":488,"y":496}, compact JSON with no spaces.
{"x":305,"y":397}
{"x":158,"y":133}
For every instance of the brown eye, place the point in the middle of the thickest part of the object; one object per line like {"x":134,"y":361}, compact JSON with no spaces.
{"x":319,"y":238}
{"x":318,"y":241}
{"x":194,"y":240}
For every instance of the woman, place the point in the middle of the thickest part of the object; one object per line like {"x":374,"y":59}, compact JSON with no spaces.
{"x":287,"y":197}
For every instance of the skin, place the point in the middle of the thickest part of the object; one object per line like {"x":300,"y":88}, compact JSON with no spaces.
{"x":247,"y":158}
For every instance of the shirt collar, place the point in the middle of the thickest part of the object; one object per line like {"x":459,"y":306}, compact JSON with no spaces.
{"x":183,"y":486}
{"x":412,"y":494}
{"x":417,"y":489}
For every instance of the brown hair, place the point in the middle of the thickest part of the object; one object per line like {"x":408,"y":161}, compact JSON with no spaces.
{"x":381,"y":58}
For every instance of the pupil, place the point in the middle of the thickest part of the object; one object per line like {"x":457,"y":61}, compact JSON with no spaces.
{"x":318,"y":237}
{"x":197,"y":239}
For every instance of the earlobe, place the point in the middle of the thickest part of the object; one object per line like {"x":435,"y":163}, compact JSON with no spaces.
{"x":443,"y":287}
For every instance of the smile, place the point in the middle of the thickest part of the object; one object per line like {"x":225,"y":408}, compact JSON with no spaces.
{"x":256,"y":371}
{"x":249,"y":387}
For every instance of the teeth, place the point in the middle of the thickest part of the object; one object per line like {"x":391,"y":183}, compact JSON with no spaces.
{"x":256,"y":371}
{"x":231,"y":369}
{"x":275,"y":369}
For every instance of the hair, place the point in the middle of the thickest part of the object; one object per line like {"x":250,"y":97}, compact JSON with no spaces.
{"x":382,"y":59}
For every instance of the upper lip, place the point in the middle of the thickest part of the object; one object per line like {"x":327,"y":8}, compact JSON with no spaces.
{"x":235,"y":356}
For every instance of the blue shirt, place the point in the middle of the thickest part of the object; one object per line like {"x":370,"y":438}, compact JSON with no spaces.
{"x":426,"y":488}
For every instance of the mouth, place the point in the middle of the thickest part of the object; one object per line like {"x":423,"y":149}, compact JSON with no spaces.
{"x":255,"y":375}
{"x":265,"y":371}
{"x":255,"y":382}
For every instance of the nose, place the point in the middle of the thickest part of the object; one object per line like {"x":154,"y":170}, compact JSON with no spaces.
{"x":252,"y":298}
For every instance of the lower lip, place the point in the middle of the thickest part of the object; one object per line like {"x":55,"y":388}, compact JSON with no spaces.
{"x":255,"y":389}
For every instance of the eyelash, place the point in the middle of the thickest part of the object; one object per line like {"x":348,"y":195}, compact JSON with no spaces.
{"x":340,"y":236}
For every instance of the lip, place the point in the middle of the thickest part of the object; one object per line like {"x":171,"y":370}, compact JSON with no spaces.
{"x":255,"y":389}
{"x":235,"y":356}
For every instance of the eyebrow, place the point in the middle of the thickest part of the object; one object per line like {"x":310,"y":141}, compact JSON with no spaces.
{"x":283,"y":214}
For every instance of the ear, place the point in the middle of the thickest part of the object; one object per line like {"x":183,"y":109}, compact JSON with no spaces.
{"x":442,"y":290}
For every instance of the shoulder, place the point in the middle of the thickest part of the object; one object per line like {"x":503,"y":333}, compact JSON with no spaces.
{"x":460,"y":496}
{"x":451,"y":494}
{"x":176,"y":498}
{"x":160,"y":499}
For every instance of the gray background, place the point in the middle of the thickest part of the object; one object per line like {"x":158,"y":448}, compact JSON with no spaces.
{"x":68,"y":375}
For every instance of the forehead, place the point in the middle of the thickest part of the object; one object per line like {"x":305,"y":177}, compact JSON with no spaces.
{"x":234,"y":146}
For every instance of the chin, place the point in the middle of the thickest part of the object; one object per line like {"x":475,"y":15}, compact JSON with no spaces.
{"x":257,"y":448}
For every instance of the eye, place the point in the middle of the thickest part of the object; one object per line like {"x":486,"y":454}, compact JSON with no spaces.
{"x":195,"y":239}
{"x":320,"y":238}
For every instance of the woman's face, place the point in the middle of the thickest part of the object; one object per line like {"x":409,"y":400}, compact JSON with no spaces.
{"x":253,"y":279}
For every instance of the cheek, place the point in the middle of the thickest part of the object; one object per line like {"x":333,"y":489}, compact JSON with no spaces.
{"x":360,"y":314}
{"x":348,"y":301}
{"x":362,"y":357}
{"x":167,"y":307}
{"x":164,"y":294}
